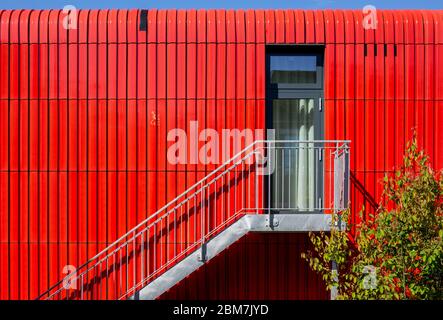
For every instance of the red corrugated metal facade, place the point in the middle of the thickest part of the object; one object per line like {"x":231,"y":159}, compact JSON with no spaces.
{"x":84,"y":115}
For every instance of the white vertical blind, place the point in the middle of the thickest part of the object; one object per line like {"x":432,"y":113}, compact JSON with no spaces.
{"x":293,"y":180}
{"x":311,"y":156}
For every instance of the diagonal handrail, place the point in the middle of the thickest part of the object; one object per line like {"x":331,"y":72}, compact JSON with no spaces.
{"x":119,"y":240}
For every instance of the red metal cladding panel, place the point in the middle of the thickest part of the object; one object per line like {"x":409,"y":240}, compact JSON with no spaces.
{"x":379,"y":139}
{"x":369,"y":69}
{"x":419,"y":25}
{"x":4,"y":62}
{"x":201,"y":79}
{"x":349,"y":26}
{"x":4,"y":121}
{"x":429,"y":56}
{"x":388,"y":20}
{"x":132,"y":51}
{"x":438,"y":112}
{"x":409,"y":27}
{"x":270,"y":26}
{"x":4,"y":135}
{"x":14,"y":66}
{"x":319,"y":26}
{"x":339,"y":77}
{"x":350,"y":71}
{"x":340,"y":28}
{"x":339,"y":119}
{"x":300,"y":26}
{"x":350,"y":134}
{"x":390,"y":50}
{"x":329,"y":27}
{"x":289,"y":26}
{"x":85,"y":115}
{"x":398,"y":28}
{"x":329,"y":73}
{"x":260,"y":26}
{"x":379,"y":32}
{"x":73,"y":66}
{"x":419,"y":88}
{"x":358,"y":27}
{"x":250,"y":71}
{"x":438,"y":28}
{"x":240,"y":32}
{"x":390,"y":135}
{"x":309,"y":26}
{"x":260,"y":72}
{"x":221,"y":26}
{"x":380,"y":81}
{"x":82,"y":52}
{"x":280,"y":26}
{"x":390,"y":70}
{"x":4,"y":228}
{"x":240,"y":74}
{"x":438,"y":76}
{"x":221,"y":77}
{"x":419,"y":72}
{"x":5,"y":16}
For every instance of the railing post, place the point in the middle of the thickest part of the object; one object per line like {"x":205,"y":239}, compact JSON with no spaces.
{"x":337,"y":176}
{"x":202,"y":256}
{"x":256,"y":188}
{"x":269,"y":178}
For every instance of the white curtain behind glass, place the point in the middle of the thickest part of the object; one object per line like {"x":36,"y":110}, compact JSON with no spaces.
{"x":293,"y":180}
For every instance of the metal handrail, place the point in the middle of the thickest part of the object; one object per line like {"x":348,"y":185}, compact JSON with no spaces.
{"x":172,"y":206}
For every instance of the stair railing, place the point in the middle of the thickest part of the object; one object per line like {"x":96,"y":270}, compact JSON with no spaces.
{"x":191,"y":219}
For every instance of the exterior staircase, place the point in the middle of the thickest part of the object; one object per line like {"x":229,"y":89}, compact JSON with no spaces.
{"x":251,"y":192}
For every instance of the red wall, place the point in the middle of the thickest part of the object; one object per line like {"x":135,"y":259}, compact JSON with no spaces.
{"x":84,"y":114}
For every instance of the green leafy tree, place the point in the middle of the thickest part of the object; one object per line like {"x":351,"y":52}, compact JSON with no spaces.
{"x":398,"y":252}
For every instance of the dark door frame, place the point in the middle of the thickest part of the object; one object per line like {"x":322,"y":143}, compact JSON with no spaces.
{"x":297,"y":91}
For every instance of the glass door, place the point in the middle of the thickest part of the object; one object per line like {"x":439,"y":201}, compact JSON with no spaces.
{"x":297,"y":172}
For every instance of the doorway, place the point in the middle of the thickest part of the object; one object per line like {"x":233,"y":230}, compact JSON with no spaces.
{"x":294,"y":109}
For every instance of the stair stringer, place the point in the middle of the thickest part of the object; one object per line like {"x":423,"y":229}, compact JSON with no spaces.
{"x":238,"y":229}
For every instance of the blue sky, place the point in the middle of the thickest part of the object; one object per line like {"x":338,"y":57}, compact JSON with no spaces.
{"x":307,"y":4}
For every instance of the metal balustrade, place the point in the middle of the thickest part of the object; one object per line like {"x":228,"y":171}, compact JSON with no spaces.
{"x":267,"y":177}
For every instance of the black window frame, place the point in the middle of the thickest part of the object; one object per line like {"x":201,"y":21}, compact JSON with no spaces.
{"x":295,"y":50}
